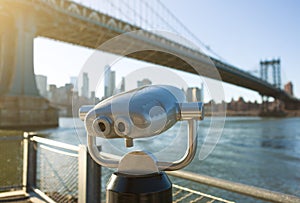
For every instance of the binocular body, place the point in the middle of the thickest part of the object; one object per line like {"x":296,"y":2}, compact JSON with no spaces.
{"x":142,"y":112}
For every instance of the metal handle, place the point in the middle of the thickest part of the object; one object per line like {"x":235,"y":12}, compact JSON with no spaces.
{"x":112,"y":161}
{"x":191,"y":110}
{"x":189,"y":154}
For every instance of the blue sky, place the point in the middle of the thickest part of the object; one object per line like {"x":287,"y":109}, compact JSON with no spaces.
{"x":245,"y":32}
{"x":242,"y":32}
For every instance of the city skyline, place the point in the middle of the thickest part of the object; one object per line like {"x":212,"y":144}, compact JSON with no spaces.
{"x":61,"y":98}
{"x":193,"y":93}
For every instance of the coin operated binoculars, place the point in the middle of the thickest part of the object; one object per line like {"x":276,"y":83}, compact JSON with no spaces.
{"x":140,"y":113}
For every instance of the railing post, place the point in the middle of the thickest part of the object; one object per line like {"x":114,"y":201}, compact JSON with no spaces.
{"x":89,"y":178}
{"x":29,"y":162}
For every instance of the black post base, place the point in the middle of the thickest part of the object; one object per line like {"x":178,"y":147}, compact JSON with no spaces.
{"x":151,"y":188}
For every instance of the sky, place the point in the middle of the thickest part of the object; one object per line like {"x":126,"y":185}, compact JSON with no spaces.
{"x":241,"y":32}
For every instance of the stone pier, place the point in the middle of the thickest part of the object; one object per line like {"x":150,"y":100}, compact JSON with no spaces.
{"x":21,"y":106}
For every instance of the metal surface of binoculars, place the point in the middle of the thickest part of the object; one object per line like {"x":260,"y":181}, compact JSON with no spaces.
{"x":142,"y":112}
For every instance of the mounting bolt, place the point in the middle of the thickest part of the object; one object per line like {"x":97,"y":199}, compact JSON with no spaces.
{"x":128,"y":142}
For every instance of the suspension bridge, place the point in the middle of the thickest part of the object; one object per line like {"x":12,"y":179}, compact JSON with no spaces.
{"x":89,"y":24}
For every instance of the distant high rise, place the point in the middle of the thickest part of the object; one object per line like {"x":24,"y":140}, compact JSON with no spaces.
{"x":85,"y":85}
{"x":106,"y":80}
{"x":74,"y":82}
{"x":112,"y":82}
{"x":288,"y":88}
{"x":122,"y":87}
{"x":109,"y":81}
{"x":144,"y":82}
{"x":93,"y":95}
{"x":194,"y":94}
{"x":41,"y":82}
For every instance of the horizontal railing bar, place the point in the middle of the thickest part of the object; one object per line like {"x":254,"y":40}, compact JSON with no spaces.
{"x":55,"y":143}
{"x":58,"y":151}
{"x":12,"y":193}
{"x":243,"y":189}
{"x":43,"y":195}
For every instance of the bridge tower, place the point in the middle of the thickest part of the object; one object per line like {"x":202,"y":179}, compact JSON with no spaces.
{"x":275,"y":67}
{"x":21,"y":106}
{"x":276,"y":70}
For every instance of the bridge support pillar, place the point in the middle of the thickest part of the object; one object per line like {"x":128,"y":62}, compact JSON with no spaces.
{"x":264,"y":104}
{"x":21,"y":105}
{"x":274,"y":110}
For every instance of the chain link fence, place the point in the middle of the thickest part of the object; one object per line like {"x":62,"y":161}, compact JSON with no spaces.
{"x":11,"y":160}
{"x":184,"y":195}
{"x":57,"y":173}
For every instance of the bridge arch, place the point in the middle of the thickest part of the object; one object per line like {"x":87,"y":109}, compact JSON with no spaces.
{"x":94,"y":16}
{"x":112,"y":23}
{"x":73,"y":8}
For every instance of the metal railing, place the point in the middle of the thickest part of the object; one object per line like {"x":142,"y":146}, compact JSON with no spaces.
{"x":60,"y":172}
{"x":60,"y":175}
{"x":63,"y":172}
{"x":57,"y":171}
{"x":247,"y":190}
{"x":66,"y":173}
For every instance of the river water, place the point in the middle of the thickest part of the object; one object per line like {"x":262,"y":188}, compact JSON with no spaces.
{"x":263,"y":152}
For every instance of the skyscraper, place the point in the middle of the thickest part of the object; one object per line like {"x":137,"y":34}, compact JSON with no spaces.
{"x":109,"y":81}
{"x":106,"y":80}
{"x":122,"y":87}
{"x":85,"y":85}
{"x":112,"y":82}
{"x":41,"y":82}
{"x":74,"y":82}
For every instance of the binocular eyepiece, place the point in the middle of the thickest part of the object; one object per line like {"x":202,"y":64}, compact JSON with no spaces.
{"x":142,"y":112}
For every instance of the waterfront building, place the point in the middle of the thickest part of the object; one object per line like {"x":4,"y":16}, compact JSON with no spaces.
{"x":61,"y":95}
{"x":61,"y":98}
{"x":288,"y":88}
